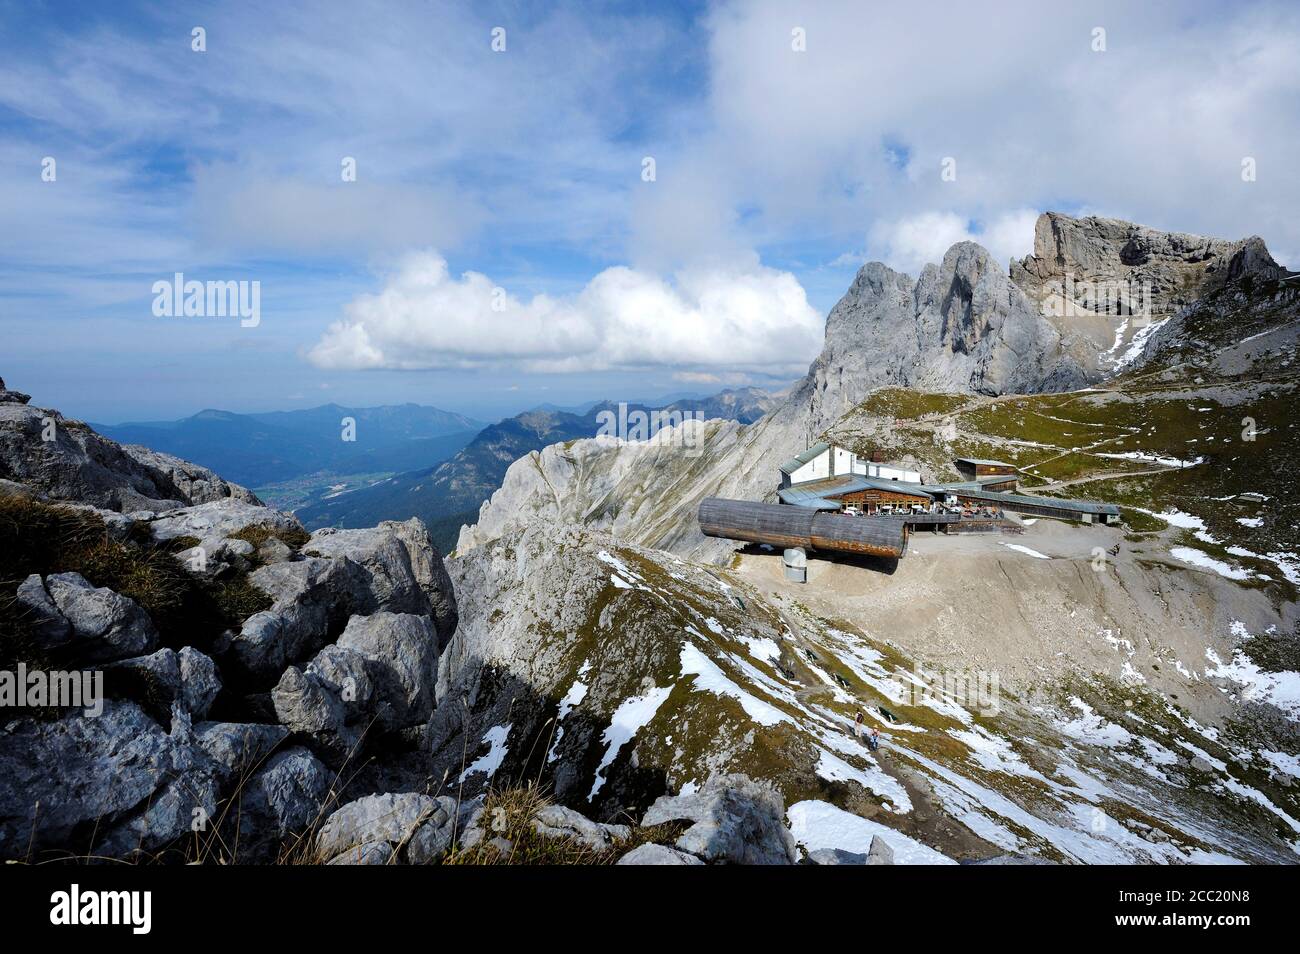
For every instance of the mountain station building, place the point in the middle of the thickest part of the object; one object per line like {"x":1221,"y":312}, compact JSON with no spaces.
{"x":832,"y":479}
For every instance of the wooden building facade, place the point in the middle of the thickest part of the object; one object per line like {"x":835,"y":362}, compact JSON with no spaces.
{"x":973,"y":468}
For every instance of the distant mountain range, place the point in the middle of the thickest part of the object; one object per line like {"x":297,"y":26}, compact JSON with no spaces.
{"x":260,"y":449}
{"x":449,"y":494}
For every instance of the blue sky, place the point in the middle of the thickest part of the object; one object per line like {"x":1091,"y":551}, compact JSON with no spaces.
{"x":501,"y":244}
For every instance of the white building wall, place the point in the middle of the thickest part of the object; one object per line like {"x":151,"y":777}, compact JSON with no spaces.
{"x":815,"y":469}
{"x":887,"y":472}
{"x":843,"y":461}
{"x":846,"y":462}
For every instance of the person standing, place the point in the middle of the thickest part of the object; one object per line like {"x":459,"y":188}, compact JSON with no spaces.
{"x":857,"y":725}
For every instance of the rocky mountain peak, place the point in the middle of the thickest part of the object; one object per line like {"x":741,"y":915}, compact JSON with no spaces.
{"x":962,"y":326}
{"x":1176,"y":267}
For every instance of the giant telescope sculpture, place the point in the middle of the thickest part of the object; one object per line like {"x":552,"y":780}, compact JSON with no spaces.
{"x":786,"y":526}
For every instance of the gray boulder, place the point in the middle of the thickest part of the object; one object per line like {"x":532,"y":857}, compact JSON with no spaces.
{"x":657,"y":855}
{"x":471,"y":822}
{"x":737,"y":821}
{"x":1200,"y":764}
{"x":436,"y":834}
{"x":200,"y":681}
{"x":187,"y":676}
{"x":371,"y":853}
{"x":311,"y":705}
{"x":48,"y":626}
{"x":379,"y":676}
{"x":836,"y":856}
{"x":238,"y":749}
{"x":391,"y":819}
{"x":879,"y":853}
{"x":350,"y":677}
{"x":101,"y":625}
{"x":57,"y":777}
{"x":187,"y":800}
{"x":274,"y":550}
{"x":309,"y":597}
{"x":403,"y":651}
{"x":404,"y":569}
{"x":283,"y":799}
{"x":556,"y":821}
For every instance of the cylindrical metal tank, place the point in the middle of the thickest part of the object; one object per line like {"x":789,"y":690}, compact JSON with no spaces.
{"x":787,"y":526}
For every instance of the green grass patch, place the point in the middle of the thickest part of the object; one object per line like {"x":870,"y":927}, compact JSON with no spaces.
{"x":45,"y":538}
{"x":906,"y":404}
{"x":258,"y":534}
{"x":511,"y":839}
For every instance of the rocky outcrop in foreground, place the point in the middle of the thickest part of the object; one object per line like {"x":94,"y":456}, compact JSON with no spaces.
{"x":262,"y":727}
{"x":65,"y":459}
{"x":731,"y":820}
{"x":247,"y":671}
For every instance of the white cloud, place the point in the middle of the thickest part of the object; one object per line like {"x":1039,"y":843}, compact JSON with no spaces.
{"x":751,"y":318}
{"x":910,"y":243}
{"x":1154,"y":129}
{"x":1010,"y":235}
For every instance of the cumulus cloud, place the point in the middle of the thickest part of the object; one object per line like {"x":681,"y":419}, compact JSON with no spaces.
{"x":910,"y":243}
{"x":754,"y":318}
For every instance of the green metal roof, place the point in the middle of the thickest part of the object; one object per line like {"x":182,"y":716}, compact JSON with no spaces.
{"x":798,"y":460}
{"x":984,"y":461}
{"x":813,"y":493}
{"x":817,"y":493}
{"x":978,"y":484}
{"x":1060,"y":503}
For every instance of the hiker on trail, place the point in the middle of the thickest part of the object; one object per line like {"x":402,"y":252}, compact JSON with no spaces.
{"x":857,"y":725}
{"x":873,"y":739}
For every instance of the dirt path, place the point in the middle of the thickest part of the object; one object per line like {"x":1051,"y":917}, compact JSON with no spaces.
{"x":1103,"y":475}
